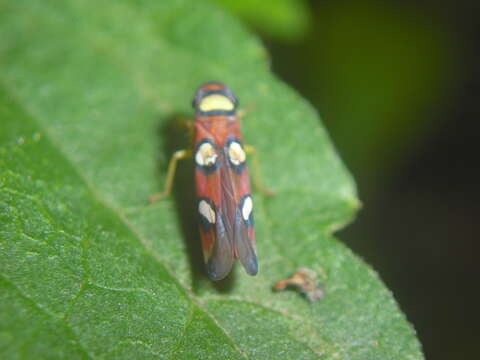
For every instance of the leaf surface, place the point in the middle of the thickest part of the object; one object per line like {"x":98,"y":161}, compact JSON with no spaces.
{"x":89,"y":96}
{"x":286,"y":20}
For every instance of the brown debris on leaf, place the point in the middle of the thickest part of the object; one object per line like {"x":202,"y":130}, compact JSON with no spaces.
{"x":305,"y":281}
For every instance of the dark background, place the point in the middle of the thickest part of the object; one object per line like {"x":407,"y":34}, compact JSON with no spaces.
{"x":397,"y":84}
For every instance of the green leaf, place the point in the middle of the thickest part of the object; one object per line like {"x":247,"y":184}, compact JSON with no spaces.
{"x":286,"y":20}
{"x":88,"y":93}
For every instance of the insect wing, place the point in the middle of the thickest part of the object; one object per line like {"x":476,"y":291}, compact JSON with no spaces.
{"x":238,"y":207}
{"x":225,"y":210}
{"x":216,"y":244}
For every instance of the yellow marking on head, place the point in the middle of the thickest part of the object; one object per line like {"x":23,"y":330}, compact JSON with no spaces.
{"x":216,"y":102}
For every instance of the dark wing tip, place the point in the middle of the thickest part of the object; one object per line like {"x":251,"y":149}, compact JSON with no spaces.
{"x":221,"y":260}
{"x":217,"y":271}
{"x":244,"y":247}
{"x":250,"y":264}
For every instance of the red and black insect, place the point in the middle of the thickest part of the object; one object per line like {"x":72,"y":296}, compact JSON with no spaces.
{"x":224,"y":200}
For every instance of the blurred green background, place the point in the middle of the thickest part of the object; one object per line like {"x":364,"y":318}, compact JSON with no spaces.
{"x":397,"y":85}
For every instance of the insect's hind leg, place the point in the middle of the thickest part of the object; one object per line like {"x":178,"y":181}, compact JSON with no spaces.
{"x":257,"y":178}
{"x":172,"y":167}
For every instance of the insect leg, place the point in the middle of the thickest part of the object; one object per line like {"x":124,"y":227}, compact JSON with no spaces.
{"x":172,"y":166}
{"x":186,"y":122}
{"x":242,"y":112}
{"x":256,"y":168}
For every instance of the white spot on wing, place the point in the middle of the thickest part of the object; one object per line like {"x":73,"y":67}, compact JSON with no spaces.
{"x":206,"y":211}
{"x":236,"y":153}
{"x":247,"y":208}
{"x":206,"y":155}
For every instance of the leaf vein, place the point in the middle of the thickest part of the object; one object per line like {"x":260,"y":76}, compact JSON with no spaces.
{"x":49,"y":314}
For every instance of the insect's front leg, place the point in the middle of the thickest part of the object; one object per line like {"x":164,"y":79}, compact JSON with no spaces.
{"x":172,"y":166}
{"x":190,"y":128}
{"x":243,"y":112}
{"x":256,"y":171}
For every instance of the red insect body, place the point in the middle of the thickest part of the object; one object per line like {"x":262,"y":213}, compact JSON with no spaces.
{"x":222,"y":183}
